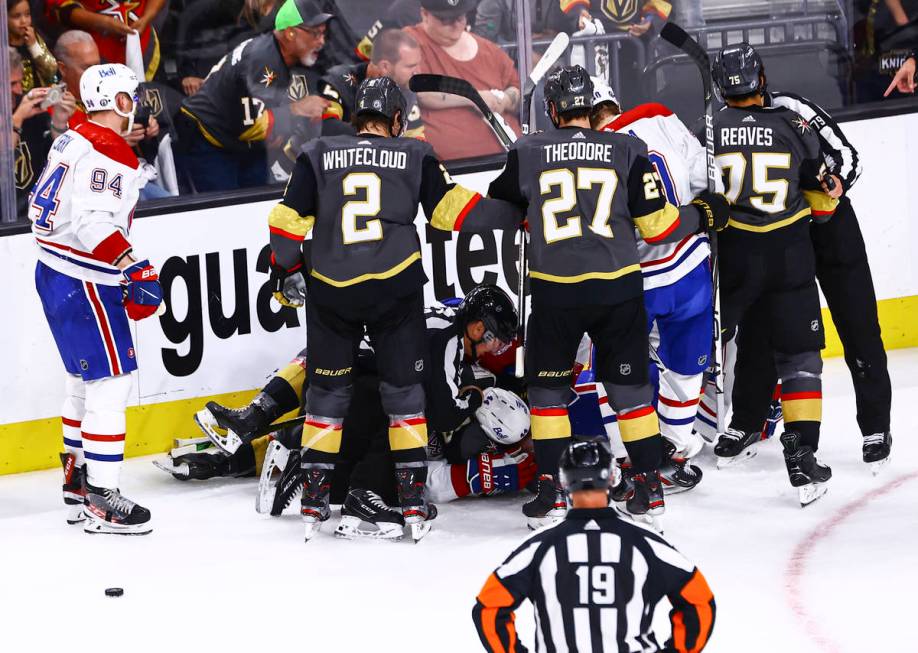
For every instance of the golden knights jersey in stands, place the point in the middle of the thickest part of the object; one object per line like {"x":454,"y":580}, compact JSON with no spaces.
{"x":246,"y":98}
{"x":339,"y":86}
{"x":585,"y":192}
{"x":770,"y":159}
{"x":362,"y":194}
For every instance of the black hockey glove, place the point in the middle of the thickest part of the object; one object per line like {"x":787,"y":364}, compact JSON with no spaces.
{"x":715,"y":211}
{"x":289,"y":285}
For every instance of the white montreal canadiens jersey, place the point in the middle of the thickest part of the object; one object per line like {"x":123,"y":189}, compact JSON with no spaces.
{"x":680,"y":159}
{"x":83,"y":202}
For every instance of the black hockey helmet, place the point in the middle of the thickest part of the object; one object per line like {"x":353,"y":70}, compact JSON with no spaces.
{"x":586,"y":464}
{"x":381,"y":96}
{"x":491,"y":305}
{"x":568,"y":89}
{"x":737,"y":70}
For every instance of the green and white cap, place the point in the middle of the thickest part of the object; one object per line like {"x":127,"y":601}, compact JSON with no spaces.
{"x":294,"y":13}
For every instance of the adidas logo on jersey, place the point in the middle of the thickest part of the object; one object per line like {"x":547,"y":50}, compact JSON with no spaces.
{"x":749,"y":119}
{"x":578,"y":135}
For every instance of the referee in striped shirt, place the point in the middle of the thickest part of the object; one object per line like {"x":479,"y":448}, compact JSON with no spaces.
{"x":594,"y":578}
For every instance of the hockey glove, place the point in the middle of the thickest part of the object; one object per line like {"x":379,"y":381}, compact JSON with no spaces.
{"x":715,"y":211}
{"x":489,"y":474}
{"x":289,"y":285}
{"x":142,"y":292}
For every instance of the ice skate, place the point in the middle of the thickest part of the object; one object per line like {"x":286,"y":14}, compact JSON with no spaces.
{"x":876,"y":452}
{"x":646,"y":504}
{"x":676,"y":474}
{"x":805,"y":472}
{"x":316,"y":493}
{"x":365,"y":514}
{"x":416,"y":510}
{"x":108,"y":511}
{"x":623,"y":490}
{"x":734,"y":447}
{"x":548,"y":507}
{"x":230,"y":428}
{"x":281,"y":479}
{"x":74,"y":488}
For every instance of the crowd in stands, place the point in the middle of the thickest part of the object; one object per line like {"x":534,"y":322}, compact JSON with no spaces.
{"x":234,"y":87}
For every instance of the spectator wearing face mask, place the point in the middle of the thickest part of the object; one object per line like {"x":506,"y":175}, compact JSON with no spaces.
{"x":255,"y":96}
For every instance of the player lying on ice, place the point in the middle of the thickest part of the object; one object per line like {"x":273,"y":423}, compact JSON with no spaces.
{"x":478,"y":444}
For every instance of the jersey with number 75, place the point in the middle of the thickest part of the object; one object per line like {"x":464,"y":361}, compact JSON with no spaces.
{"x":584,"y":192}
{"x":82,"y":204}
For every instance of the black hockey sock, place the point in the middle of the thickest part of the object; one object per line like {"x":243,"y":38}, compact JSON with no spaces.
{"x":808,"y":431}
{"x":548,"y":454}
{"x":280,"y":390}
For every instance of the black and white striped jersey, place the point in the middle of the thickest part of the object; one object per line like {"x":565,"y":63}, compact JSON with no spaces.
{"x":841,"y":157}
{"x":594,"y":580}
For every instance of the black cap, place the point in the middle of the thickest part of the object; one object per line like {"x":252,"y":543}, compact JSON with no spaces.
{"x":568,"y":89}
{"x":449,"y":8}
{"x":492,"y":306}
{"x":736,"y":70}
{"x":294,"y":13}
{"x":586,"y":464}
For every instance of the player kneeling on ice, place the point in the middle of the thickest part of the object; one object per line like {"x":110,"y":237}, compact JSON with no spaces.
{"x":595,"y":578}
{"x":678,"y":295}
{"x":90,"y":282}
{"x":361,"y":193}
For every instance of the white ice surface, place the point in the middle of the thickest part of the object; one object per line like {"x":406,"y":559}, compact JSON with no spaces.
{"x":215,"y":576}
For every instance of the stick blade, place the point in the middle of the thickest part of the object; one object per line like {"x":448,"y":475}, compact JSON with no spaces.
{"x":674,"y":34}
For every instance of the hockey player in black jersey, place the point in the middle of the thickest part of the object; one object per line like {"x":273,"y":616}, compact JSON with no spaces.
{"x":773,"y":171}
{"x":584,"y":192}
{"x":596,"y":578}
{"x":361,"y":193}
{"x":843,"y":272}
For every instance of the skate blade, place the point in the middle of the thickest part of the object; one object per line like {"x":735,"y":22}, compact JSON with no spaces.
{"x":732,"y":461}
{"x":350,"y":528}
{"x":96,"y":527}
{"x":311,"y":529}
{"x":419,"y":529}
{"x":275,"y":459}
{"x":811,"y":492}
{"x":180,"y":472}
{"x":553,"y":517}
{"x":877,"y":467}
{"x":650,"y":519}
{"x":75,"y":515}
{"x":228,"y":442}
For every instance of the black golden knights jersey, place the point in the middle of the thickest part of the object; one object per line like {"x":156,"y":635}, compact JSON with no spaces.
{"x":246,"y":98}
{"x":339,"y":86}
{"x":584,"y":192}
{"x":770,"y":159}
{"x":594,"y":581}
{"x":361,"y":195}
{"x":620,"y":14}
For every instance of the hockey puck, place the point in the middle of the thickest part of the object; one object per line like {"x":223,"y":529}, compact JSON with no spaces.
{"x":114,"y":591}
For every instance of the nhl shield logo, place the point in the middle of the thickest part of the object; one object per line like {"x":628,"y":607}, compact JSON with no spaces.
{"x":624,"y":369}
{"x":703,"y":360}
{"x":419,"y":365}
{"x":298,"y":88}
{"x":814,"y":325}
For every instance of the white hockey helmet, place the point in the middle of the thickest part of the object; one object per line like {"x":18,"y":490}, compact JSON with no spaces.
{"x":503,"y":416}
{"x":100,"y":84}
{"x":602,"y":92}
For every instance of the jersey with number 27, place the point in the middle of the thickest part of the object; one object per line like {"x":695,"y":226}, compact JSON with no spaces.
{"x":85,"y":194}
{"x":682,"y":163}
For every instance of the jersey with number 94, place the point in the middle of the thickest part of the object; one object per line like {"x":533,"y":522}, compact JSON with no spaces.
{"x":82,"y":204}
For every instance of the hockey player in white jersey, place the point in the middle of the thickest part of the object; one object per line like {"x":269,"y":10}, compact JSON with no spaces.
{"x":90,"y":282}
{"x":677,"y":279}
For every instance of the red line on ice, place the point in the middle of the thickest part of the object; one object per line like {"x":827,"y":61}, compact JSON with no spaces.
{"x":796,"y":568}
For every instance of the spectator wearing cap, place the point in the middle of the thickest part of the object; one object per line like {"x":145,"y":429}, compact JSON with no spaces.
{"x":110,"y":23}
{"x":452,"y":124}
{"x":256,"y":95}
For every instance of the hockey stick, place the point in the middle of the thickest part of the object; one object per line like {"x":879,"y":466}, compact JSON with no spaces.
{"x":677,"y":36}
{"x":552,"y":54}
{"x":426,"y":83}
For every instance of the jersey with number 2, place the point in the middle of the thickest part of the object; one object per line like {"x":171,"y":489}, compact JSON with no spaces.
{"x":86,"y":192}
